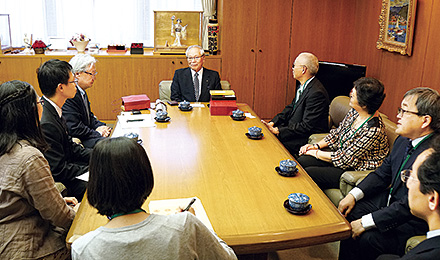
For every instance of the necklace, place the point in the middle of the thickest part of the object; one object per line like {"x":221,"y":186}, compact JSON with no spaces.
{"x":342,"y":137}
{"x":127,"y":213}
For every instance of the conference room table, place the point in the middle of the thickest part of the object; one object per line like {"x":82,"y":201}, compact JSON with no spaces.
{"x":210,"y":157}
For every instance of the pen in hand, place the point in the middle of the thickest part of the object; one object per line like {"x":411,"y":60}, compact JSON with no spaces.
{"x":189,"y":205}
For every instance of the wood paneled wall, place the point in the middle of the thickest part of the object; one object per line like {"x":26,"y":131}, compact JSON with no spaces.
{"x":347,"y":31}
{"x":344,"y":31}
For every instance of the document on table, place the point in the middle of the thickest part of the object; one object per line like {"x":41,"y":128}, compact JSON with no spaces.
{"x":136,"y":121}
{"x":173,"y":206}
{"x":198,"y":105}
{"x":249,"y":115}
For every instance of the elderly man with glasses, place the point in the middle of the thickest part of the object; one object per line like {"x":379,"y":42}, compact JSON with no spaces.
{"x":81,"y":122}
{"x":308,"y":112}
{"x":378,"y":207}
{"x":194,"y":83}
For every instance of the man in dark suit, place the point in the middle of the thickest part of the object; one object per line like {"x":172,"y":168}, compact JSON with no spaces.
{"x":194,"y":83}
{"x":81,"y":122}
{"x":378,"y":208}
{"x":308,"y":112}
{"x":423,"y":184}
{"x":67,"y":159}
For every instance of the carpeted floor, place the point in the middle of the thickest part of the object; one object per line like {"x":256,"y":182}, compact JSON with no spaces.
{"x":325,"y":251}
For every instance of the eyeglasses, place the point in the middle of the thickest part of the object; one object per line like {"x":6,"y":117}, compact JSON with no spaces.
{"x":194,"y":58}
{"x":40,"y":101}
{"x":405,"y":175}
{"x":298,"y":65}
{"x":74,"y":81}
{"x":91,"y":74}
{"x":401,"y":111}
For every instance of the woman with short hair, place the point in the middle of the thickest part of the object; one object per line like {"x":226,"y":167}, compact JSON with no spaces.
{"x":34,"y":218}
{"x":120,"y":181}
{"x":359,"y":143}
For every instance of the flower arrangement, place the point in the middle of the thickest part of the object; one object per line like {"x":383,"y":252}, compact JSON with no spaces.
{"x":39,"y":44}
{"x":39,"y":47}
{"x":79,"y":37}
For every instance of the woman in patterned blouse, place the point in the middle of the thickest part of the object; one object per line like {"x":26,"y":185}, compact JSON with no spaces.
{"x":359,"y":143}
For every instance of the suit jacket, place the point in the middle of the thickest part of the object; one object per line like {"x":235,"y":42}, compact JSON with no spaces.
{"x":309,"y":116}
{"x":182,"y":87}
{"x":81,"y":122}
{"x":398,"y":212}
{"x":66,"y":158}
{"x":426,"y":250}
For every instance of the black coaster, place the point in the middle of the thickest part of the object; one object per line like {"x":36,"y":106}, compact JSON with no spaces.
{"x":254,"y":137}
{"x":286,"y":174}
{"x":162,"y":120}
{"x":301,"y":212}
{"x":238,"y":118}
{"x":186,"y":109}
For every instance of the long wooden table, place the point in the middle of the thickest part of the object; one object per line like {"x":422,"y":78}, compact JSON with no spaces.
{"x":210,"y":157}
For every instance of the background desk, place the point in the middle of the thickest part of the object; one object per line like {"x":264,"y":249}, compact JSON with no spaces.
{"x":210,"y":157}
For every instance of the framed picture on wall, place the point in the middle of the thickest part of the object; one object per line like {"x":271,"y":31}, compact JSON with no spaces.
{"x":174,"y":31}
{"x":396,"y":21}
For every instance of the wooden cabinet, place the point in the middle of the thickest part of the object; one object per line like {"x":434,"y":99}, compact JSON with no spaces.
{"x":20,"y":68}
{"x":118,"y":76}
{"x":255,"y":41}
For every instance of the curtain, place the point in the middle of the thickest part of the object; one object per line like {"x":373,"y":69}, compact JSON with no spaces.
{"x":104,"y":21}
{"x":209,"y":10}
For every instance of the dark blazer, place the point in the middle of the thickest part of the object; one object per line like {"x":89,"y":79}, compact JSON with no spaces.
{"x":182,"y":87}
{"x":398,"y":212}
{"x":66,"y":158}
{"x":426,"y":250}
{"x":309,"y":116}
{"x":80,"y":123}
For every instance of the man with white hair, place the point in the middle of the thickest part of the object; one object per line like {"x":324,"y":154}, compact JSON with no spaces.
{"x":308,"y":112}
{"x":81,"y":122}
{"x":194,"y":83}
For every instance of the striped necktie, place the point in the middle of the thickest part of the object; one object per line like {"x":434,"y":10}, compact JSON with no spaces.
{"x":196,"y":86}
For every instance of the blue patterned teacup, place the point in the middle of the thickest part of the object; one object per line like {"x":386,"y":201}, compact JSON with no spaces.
{"x":161,"y":115}
{"x":288,"y":166}
{"x":254,"y":131}
{"x":237,"y":113}
{"x":184,"y":104}
{"x":298,"y":201}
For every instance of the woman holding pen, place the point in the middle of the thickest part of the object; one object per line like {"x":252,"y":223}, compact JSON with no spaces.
{"x":120,"y":181}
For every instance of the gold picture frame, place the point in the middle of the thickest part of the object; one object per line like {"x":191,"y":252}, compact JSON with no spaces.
{"x":191,"y":22}
{"x":397,"y":20}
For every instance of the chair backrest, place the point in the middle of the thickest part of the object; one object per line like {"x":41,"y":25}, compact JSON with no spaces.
{"x":165,"y":88}
{"x":390,"y":129}
{"x":339,"y":108}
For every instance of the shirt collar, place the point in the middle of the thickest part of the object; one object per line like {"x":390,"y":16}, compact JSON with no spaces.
{"x":193,"y":72}
{"x":303,"y":87}
{"x":416,"y":141}
{"x":433,"y":233}
{"x":80,"y":90}
{"x":57,"y":108}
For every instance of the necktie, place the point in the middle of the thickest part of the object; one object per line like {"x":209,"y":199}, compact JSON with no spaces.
{"x":298,"y":95}
{"x":409,"y":149}
{"x":196,"y":86}
{"x":87,"y":107}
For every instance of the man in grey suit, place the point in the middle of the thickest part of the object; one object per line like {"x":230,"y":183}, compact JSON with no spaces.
{"x":308,"y":112}
{"x":194,"y":83}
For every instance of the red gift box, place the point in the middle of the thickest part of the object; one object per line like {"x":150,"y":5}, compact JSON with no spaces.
{"x":136,"y":102}
{"x":222,"y":107}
